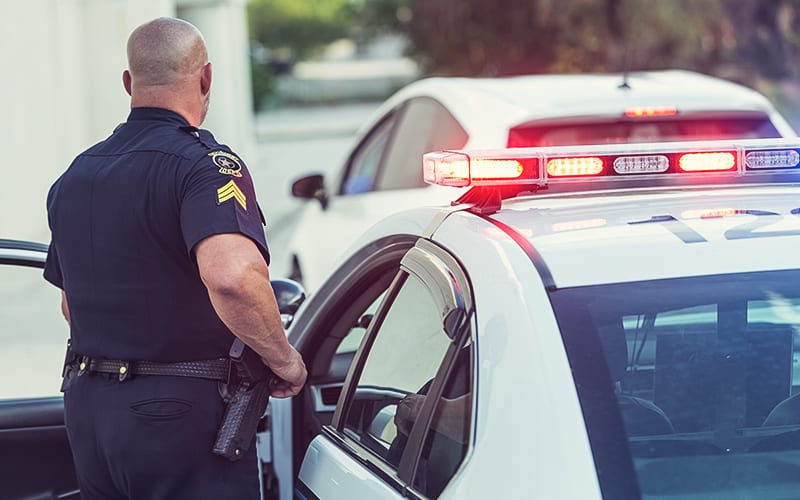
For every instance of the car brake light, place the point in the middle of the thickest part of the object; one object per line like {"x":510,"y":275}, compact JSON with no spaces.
{"x":650,"y":111}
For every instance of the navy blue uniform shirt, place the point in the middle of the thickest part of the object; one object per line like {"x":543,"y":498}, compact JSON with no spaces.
{"x":125,"y":218}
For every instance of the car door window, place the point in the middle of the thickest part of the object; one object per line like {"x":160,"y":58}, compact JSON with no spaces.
{"x":363,"y":166}
{"x":33,"y":334}
{"x":405,"y":355}
{"x":425,"y":125}
{"x":352,"y":340}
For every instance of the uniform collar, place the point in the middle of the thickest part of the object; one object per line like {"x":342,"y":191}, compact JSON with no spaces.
{"x":159,"y":114}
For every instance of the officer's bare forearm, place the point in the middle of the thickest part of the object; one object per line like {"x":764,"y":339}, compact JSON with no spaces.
{"x":237,"y":279}
{"x":249,"y":310}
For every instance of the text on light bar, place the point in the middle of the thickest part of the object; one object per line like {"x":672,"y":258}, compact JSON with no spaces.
{"x":772,"y":159}
{"x":641,"y":164}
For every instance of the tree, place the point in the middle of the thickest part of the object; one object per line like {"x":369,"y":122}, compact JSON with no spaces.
{"x":505,"y":37}
{"x":298,"y":28}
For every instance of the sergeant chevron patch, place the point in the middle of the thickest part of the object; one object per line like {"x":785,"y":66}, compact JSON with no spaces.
{"x":231,"y":190}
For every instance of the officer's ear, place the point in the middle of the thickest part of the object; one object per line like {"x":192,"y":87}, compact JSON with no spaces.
{"x":205,"y":79}
{"x":126,"y":81}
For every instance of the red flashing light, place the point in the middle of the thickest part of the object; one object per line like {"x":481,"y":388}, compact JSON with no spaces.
{"x":583,"y":166}
{"x":707,"y":162}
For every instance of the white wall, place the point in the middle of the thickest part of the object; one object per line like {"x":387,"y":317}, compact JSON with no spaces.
{"x":61,"y":88}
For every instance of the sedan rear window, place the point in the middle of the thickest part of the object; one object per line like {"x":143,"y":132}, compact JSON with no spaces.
{"x":637,"y":130}
{"x":698,"y":377}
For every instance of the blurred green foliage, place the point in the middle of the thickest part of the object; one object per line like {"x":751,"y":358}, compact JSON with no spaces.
{"x":299,"y":26}
{"x":500,"y":37}
{"x":744,"y":40}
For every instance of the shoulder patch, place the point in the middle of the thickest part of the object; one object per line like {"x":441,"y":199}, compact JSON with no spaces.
{"x":231,"y":191}
{"x":228,"y":163}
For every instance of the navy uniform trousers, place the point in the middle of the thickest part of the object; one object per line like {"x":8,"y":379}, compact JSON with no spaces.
{"x":150,"y":438}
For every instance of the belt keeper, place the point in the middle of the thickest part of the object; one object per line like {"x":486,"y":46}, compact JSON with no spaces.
{"x":124,"y":371}
{"x":83,"y":365}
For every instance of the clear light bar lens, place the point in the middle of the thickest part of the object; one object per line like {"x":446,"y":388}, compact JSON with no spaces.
{"x":784,"y":158}
{"x":459,"y":170}
{"x":584,"y":166}
{"x":649,"y":164}
{"x":702,"y":162}
{"x":446,"y":169}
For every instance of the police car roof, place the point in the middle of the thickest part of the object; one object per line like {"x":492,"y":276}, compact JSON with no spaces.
{"x":610,"y":237}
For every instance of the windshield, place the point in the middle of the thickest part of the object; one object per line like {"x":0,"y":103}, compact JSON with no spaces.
{"x":697,"y":375}
{"x":627,"y":131}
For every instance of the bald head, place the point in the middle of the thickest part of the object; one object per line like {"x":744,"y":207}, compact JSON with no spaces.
{"x":165,"y":51}
{"x":168,"y":68}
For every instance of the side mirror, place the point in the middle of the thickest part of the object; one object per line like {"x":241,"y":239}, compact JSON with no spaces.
{"x":289,"y":294}
{"x":311,"y":187}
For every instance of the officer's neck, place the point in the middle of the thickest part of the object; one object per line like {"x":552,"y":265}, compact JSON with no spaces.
{"x":189,"y":105}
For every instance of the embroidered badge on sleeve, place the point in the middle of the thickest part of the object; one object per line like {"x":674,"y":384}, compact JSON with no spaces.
{"x":231,"y":190}
{"x":228,"y":163}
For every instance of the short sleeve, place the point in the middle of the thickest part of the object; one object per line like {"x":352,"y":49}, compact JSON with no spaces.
{"x":219,"y":197}
{"x":52,"y":267}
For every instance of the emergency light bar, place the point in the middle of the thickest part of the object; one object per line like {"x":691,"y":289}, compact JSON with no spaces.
{"x":707,"y":162}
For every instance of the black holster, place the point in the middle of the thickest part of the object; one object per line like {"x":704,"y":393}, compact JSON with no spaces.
{"x":70,"y":369}
{"x":249,"y":392}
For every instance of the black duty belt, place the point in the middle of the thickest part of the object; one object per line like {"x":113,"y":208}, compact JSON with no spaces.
{"x":214,"y":369}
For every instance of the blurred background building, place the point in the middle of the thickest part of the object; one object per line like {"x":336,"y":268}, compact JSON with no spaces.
{"x":61,"y":87}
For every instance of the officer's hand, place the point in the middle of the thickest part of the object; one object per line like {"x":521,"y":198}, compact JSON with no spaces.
{"x":292,"y":377}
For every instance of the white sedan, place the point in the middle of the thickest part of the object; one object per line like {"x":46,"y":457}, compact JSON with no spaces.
{"x":627,"y":331}
{"x":381,"y":173}
{"x":592,"y":322}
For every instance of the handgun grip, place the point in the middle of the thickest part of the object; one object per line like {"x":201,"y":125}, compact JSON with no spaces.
{"x":240,"y":422}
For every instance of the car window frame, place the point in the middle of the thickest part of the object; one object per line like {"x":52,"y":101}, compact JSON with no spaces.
{"x":444,"y":278}
{"x":31,"y":255}
{"x":393,"y":115}
{"x":405,"y":137}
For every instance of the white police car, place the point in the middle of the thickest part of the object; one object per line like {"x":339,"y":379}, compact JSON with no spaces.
{"x":586,"y":322}
{"x":381,"y":173}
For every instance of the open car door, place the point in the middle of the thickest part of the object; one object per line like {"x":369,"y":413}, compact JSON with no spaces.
{"x":35,"y":458}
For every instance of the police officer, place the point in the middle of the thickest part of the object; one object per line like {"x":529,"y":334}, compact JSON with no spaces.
{"x":158,"y":246}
